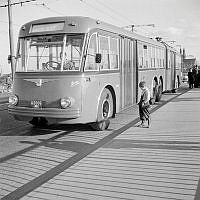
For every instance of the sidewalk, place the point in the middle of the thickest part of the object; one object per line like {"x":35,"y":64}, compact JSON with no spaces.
{"x":159,"y":163}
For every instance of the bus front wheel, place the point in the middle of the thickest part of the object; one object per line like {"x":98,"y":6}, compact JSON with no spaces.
{"x":105,"y":110}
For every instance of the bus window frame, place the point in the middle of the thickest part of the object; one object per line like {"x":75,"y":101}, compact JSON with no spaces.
{"x":97,"y":51}
{"x":28,"y":57}
{"x":63,"y":52}
{"x":117,"y":40}
{"x":118,"y":53}
{"x":105,"y":36}
{"x":26,"y":51}
{"x":98,"y":35}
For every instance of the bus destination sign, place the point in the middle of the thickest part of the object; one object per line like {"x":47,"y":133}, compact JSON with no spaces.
{"x":58,"y":26}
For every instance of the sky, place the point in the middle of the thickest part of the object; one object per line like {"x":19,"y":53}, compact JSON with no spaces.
{"x":176,"y":21}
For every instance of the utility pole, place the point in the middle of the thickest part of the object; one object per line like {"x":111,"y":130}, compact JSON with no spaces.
{"x":11,"y":56}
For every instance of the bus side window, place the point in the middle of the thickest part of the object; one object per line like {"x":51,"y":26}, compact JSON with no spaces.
{"x":140,"y":56}
{"x":104,"y":50}
{"x":114,"y":53}
{"x":92,"y":50}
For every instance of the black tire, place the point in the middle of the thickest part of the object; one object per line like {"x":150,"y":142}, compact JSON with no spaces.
{"x":105,"y":111}
{"x":39,"y":122}
{"x":174,"y":90}
{"x":34,"y":121}
{"x":43,"y":122}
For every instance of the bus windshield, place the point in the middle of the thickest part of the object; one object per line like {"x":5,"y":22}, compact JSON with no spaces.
{"x":49,"y":53}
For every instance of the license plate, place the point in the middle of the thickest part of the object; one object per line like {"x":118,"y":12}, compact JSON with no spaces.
{"x":36,"y":103}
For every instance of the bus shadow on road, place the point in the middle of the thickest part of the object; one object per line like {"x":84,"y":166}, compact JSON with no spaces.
{"x":70,"y":127}
{"x":53,"y":128}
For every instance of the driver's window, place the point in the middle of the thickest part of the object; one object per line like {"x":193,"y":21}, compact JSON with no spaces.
{"x":50,"y":57}
{"x":73,"y":51}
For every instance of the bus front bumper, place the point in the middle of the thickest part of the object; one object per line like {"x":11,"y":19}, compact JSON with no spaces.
{"x":44,"y":112}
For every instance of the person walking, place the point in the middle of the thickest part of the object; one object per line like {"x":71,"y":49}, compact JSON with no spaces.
{"x":144,"y":105}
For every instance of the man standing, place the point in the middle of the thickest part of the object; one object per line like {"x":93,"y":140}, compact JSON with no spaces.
{"x":190,"y":79}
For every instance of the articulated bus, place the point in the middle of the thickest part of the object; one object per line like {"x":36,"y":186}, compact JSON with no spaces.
{"x":81,"y":70}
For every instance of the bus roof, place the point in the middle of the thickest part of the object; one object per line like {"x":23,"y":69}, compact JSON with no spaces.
{"x":76,"y":24}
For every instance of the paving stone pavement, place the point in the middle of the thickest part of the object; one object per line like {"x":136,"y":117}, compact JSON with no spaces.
{"x":157,"y":163}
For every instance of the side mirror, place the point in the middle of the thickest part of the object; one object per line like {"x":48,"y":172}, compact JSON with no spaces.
{"x":18,"y":56}
{"x":9,"y":59}
{"x":98,"y":58}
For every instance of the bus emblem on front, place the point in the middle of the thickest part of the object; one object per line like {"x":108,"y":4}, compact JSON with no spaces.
{"x":38,"y":82}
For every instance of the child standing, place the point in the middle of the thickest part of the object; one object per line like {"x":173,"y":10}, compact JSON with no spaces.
{"x":144,"y":105}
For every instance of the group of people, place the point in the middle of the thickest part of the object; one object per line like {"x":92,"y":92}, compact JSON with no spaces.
{"x":191,"y":76}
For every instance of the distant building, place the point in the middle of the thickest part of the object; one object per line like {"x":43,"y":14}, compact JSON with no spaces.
{"x":188,"y":62}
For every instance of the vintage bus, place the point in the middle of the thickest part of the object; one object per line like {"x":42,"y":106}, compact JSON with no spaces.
{"x":81,"y":70}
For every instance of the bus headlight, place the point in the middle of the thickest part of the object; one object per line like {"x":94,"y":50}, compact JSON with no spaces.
{"x":66,"y":102}
{"x":13,"y":100}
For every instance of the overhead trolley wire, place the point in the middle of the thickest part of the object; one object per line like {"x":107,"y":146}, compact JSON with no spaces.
{"x":116,"y":13}
{"x":99,"y":10}
{"x":16,"y":3}
{"x":113,"y":11}
{"x":47,"y":7}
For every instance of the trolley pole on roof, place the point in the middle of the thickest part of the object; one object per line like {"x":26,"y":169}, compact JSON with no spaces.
{"x":11,"y":56}
{"x":133,"y":25}
{"x":139,"y":25}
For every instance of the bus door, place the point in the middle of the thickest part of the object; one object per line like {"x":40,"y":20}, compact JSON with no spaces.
{"x":173,"y":74}
{"x":128,"y":73}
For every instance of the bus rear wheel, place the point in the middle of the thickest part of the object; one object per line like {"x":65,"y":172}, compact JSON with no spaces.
{"x":105,"y":111}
